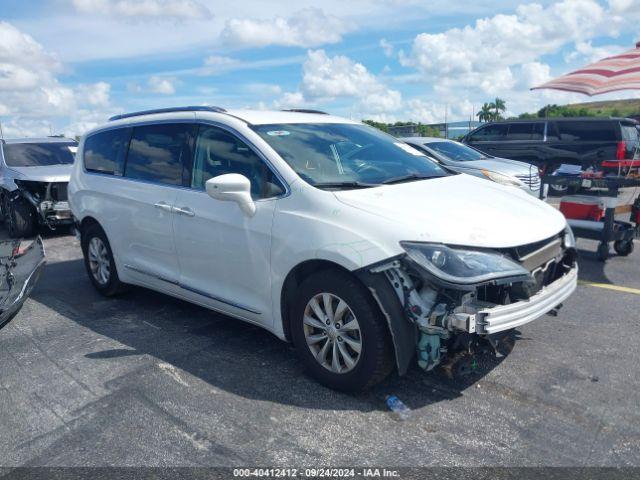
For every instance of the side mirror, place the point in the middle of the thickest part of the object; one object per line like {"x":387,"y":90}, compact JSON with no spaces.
{"x":232,"y":187}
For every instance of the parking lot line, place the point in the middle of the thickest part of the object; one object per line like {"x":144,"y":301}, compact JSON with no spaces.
{"x":607,"y":286}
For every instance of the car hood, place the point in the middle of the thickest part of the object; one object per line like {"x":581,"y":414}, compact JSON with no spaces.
{"x":52,"y":173}
{"x":499,"y":165}
{"x":458,"y":210}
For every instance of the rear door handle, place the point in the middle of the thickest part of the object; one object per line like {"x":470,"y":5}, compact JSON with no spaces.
{"x":184,"y":211}
{"x":163,"y":206}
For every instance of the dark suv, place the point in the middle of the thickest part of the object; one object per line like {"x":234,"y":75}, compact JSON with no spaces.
{"x":548,"y":143}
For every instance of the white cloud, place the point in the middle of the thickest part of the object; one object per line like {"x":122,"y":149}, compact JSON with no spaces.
{"x":161,"y":85}
{"x":31,"y":94}
{"x":173,"y":9}
{"x":217,"y":64}
{"x":96,"y":94}
{"x":585,"y":52}
{"x":534,"y":74}
{"x":308,"y":27}
{"x":337,"y":76}
{"x":291,"y":100}
{"x":494,"y":44}
{"x":387,"y":47}
{"x":327,"y":78}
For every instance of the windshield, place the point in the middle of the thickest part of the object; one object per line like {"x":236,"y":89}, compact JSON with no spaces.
{"x":347,"y":155}
{"x":38,"y":154}
{"x":455,"y":151}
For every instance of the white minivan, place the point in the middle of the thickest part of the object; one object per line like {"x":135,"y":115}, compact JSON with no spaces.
{"x":328,"y":233}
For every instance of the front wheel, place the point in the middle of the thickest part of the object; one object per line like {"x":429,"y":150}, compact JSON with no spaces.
{"x":340,"y":333}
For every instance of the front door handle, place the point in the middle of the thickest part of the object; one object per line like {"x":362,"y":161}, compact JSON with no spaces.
{"x":184,"y":211}
{"x":163,"y":206}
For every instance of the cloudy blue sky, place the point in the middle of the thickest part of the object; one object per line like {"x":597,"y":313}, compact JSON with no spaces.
{"x":66,"y":65}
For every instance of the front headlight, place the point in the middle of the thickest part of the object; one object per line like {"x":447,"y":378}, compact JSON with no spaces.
{"x":569,"y":239}
{"x":462,"y":266}
{"x":502,"y":179}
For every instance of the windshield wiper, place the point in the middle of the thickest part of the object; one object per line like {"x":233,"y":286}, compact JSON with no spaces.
{"x":409,"y":178}
{"x":349,"y":184}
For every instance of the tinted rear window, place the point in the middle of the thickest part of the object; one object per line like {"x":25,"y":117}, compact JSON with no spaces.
{"x":161,"y":153}
{"x":104,"y":151}
{"x":39,"y":154}
{"x":587,"y":131}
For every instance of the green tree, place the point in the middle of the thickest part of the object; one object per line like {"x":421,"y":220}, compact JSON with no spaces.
{"x":499,"y":106}
{"x":486,"y":113}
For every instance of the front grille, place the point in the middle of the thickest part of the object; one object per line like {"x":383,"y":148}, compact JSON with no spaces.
{"x":530,"y":180}
{"x":547,"y":260}
{"x":524,"y":250}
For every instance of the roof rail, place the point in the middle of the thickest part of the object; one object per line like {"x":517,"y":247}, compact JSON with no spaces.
{"x":305,"y":110}
{"x":200,"y":108}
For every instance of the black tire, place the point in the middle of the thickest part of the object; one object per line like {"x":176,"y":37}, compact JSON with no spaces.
{"x":19,"y":217}
{"x":558,"y":190}
{"x":113,"y":286}
{"x":376,"y":357}
{"x":623,"y":247}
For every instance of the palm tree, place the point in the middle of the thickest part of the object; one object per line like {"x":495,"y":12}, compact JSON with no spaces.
{"x":499,"y":105}
{"x":486,"y":113}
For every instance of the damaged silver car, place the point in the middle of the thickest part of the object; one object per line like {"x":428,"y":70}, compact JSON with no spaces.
{"x":20,"y":268}
{"x":34,"y":175}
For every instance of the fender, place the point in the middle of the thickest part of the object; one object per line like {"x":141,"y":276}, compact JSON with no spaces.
{"x":404,"y":334}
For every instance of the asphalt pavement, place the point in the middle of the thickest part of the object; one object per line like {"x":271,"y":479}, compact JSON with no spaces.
{"x":148,"y":380}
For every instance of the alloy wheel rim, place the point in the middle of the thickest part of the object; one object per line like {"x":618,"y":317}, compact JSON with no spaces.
{"x":99,"y":262}
{"x":332,"y":333}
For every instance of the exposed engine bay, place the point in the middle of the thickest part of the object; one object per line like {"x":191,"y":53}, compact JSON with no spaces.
{"x":446,"y":319}
{"x":49,"y":199}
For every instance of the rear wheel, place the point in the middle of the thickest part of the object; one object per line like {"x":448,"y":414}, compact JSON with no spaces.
{"x":339,"y":332}
{"x":19,"y":217}
{"x":98,"y":260}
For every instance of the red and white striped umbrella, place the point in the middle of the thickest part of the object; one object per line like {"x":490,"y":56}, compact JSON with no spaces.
{"x":620,"y":72}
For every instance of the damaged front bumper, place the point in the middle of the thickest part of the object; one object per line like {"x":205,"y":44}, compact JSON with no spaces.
{"x":495,"y":319}
{"x":48,"y":199}
{"x":439,"y":321}
{"x":19,"y":273}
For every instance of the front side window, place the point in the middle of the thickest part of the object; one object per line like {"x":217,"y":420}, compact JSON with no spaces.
{"x":335,"y":154}
{"x":490,"y":133}
{"x":160,"y":153}
{"x":520,"y":131}
{"x":456,"y":151}
{"x":218,"y":152}
{"x":104,"y":151}
{"x":39,"y":154}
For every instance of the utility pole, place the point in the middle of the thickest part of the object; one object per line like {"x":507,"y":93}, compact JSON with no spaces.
{"x":446,"y":126}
